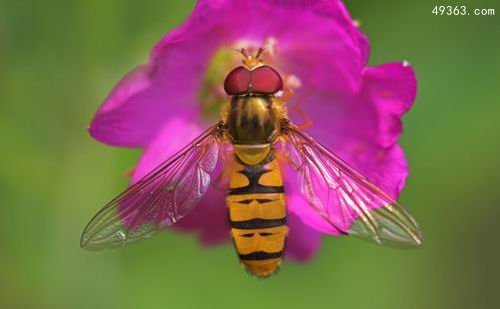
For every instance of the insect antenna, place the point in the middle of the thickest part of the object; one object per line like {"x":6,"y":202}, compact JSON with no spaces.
{"x":259,"y":53}
{"x":244,"y":52}
{"x":251,"y":62}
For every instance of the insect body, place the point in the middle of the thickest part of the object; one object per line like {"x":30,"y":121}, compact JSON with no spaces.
{"x":256,"y":202}
{"x":255,"y":126}
{"x":257,"y":215}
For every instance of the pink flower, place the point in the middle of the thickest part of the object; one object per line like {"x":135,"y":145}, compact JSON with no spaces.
{"x":355,"y":109}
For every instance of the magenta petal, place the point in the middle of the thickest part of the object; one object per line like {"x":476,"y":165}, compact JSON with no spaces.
{"x":324,"y":49}
{"x":151,"y":95}
{"x":387,"y":168}
{"x":371,"y":116}
{"x":302,"y":241}
{"x":140,"y":105}
{"x":343,"y":16}
{"x":367,"y":132}
{"x":172,"y":137}
{"x":391,"y":88}
{"x":114,"y":121}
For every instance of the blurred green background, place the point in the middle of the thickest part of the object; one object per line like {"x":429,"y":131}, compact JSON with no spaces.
{"x":59,"y":59}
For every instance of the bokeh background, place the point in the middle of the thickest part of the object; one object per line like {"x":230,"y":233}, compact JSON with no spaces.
{"x":59,"y":59}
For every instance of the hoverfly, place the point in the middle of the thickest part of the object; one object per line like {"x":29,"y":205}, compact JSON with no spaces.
{"x":255,"y":127}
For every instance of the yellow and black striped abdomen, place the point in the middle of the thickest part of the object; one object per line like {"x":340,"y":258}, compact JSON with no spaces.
{"x":257,"y":215}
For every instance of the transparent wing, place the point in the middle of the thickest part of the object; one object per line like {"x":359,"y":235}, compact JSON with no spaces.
{"x":158,"y":200}
{"x":344,"y":198}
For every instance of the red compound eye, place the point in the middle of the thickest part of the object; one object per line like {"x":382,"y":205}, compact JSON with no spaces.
{"x":266,"y":80}
{"x":237,"y":81}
